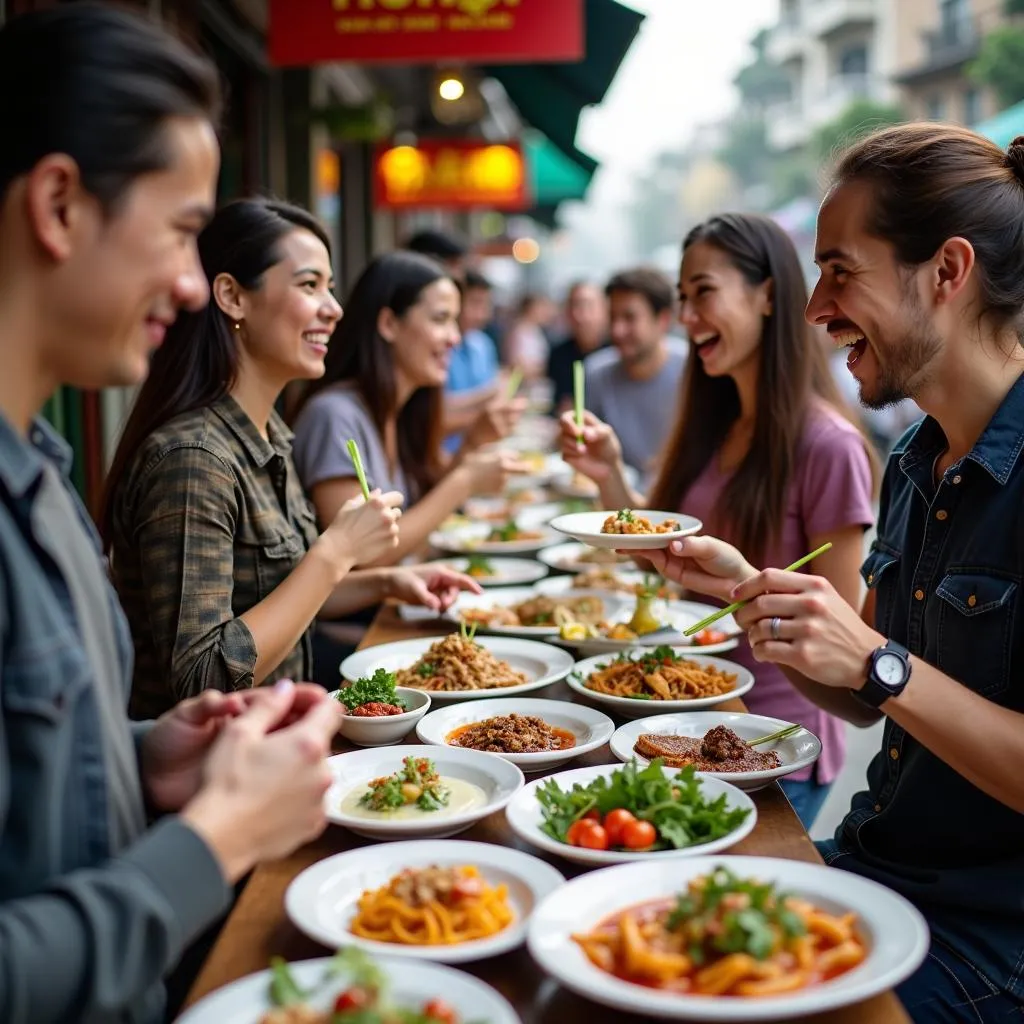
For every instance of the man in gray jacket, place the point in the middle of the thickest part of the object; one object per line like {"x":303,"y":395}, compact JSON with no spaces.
{"x":108,"y":163}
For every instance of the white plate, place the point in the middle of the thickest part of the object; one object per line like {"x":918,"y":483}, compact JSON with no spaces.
{"x":500,"y":780}
{"x":591,"y":728}
{"x":542,"y":664}
{"x":631,"y":578}
{"x":566,"y":557}
{"x":896,"y":933}
{"x":411,"y":984}
{"x":322,"y":900}
{"x":616,"y":608}
{"x":586,"y":528}
{"x":525,"y":819}
{"x":795,"y":752}
{"x":389,"y":729}
{"x":508,"y":572}
{"x":572,"y":485}
{"x":472,"y":539}
{"x":631,"y":707}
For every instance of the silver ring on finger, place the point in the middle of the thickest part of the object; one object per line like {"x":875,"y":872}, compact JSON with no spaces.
{"x":775,"y":628}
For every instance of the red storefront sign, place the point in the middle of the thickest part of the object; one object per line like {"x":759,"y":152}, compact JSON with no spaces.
{"x":424,"y":31}
{"x":450,"y":175}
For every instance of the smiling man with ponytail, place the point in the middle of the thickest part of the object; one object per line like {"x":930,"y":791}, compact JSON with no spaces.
{"x":920,"y":246}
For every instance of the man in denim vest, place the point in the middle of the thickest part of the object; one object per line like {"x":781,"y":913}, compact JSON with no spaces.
{"x":920,"y":246}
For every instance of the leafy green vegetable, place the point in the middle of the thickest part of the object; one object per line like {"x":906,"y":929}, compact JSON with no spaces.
{"x":626,"y":516}
{"x":505,"y":533}
{"x":426,"y":670}
{"x":380,"y":687}
{"x":284,"y":989}
{"x":479,"y":565}
{"x":729,"y":914}
{"x":416,"y":782}
{"x":673,"y":804}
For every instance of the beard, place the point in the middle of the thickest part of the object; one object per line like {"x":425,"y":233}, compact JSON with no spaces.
{"x":902,"y":363}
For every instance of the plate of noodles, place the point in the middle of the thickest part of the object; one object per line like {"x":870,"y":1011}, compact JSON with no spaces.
{"x":627,"y":529}
{"x":726,"y":938}
{"x":718,"y":744}
{"x":387,"y":990}
{"x":463,"y":667}
{"x":657,"y":680}
{"x":430,"y":899}
{"x":534,"y":735}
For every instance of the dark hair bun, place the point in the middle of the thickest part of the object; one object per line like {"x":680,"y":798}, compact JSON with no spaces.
{"x":1015,"y":157}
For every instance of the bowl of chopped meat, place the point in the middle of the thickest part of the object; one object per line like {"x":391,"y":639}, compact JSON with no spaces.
{"x":536,"y":735}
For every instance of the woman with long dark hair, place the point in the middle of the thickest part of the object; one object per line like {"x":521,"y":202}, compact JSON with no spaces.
{"x":764,"y":451}
{"x":383,"y":386}
{"x":214,"y":548}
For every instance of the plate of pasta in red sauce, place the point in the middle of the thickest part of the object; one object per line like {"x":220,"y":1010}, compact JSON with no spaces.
{"x":727,"y":938}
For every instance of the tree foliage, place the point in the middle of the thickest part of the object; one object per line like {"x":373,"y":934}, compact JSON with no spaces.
{"x":1000,"y":64}
{"x":859,"y":119}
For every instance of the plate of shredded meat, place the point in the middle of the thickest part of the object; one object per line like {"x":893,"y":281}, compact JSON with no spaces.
{"x":719,"y":744}
{"x":627,"y":529}
{"x":534,"y":734}
{"x":459,"y":667}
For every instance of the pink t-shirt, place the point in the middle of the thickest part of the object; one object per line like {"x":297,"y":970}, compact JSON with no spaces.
{"x":830,"y":490}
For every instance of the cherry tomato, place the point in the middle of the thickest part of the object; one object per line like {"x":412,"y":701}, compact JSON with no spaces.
{"x":576,"y":829}
{"x":355,"y":998}
{"x":439,"y":1010}
{"x":637,"y":835}
{"x":592,"y":815}
{"x":614,"y":822}
{"x":593,"y":837}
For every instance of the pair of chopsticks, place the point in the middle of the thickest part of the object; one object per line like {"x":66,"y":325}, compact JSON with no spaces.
{"x":722,"y":612}
{"x":357,"y":461}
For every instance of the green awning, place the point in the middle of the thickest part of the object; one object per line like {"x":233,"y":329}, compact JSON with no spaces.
{"x":1005,"y":126}
{"x":554,"y":178}
{"x":551,"y":96}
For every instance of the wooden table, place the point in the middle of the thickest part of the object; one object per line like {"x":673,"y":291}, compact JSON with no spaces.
{"x":258,"y":929}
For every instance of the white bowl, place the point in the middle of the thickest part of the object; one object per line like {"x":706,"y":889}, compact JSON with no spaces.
{"x":542,"y":664}
{"x":322,"y":900}
{"x":384,"y":731}
{"x":895,"y":931}
{"x":632,"y":707}
{"x":586,"y":528}
{"x":411,"y":984}
{"x":525,"y":819}
{"x":591,"y":728}
{"x":798,"y":751}
{"x":500,"y":780}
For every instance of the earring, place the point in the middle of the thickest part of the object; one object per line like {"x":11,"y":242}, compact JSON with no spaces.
{"x":238,"y":325}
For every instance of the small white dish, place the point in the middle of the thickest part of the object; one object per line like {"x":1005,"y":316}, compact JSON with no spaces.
{"x":797,"y":751}
{"x":411,"y":985}
{"x":472,"y":539}
{"x":591,"y":728}
{"x":575,"y":557}
{"x":497,"y":779}
{"x":389,"y":729}
{"x":586,"y":528}
{"x":322,"y":901}
{"x":571,"y":484}
{"x":525,"y":819}
{"x":895,"y":931}
{"x":507,"y":572}
{"x":542,"y":664}
{"x":633,"y":707}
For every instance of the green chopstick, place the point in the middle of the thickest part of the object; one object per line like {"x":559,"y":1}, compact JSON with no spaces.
{"x":514,"y":380}
{"x":577,"y":382}
{"x":722,"y":612}
{"x":353,"y":451}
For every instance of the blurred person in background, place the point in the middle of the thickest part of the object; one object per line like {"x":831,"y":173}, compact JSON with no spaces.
{"x":764,"y":450}
{"x":526,"y":344}
{"x":586,"y":314}
{"x":383,"y":387}
{"x":214,"y":548}
{"x":633,"y":385}
{"x":448,"y":248}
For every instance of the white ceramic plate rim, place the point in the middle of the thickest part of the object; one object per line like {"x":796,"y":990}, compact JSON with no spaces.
{"x":577,"y":525}
{"x":416,"y":982}
{"x":522,"y":819}
{"x":461,"y":541}
{"x":525,"y":571}
{"x":560,"y":557}
{"x":604,"y":728}
{"x":384,"y":862}
{"x":484,"y":766}
{"x":625,"y":736}
{"x":898,"y":935}
{"x":557,"y":668}
{"x":744,"y":682}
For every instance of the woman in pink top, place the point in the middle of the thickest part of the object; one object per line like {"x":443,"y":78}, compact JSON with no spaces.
{"x":763,"y":452}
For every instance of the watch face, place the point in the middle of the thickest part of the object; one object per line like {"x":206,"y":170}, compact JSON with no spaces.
{"x":889,"y":669}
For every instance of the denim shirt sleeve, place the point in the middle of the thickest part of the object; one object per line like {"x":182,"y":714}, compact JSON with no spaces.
{"x":64,"y":948}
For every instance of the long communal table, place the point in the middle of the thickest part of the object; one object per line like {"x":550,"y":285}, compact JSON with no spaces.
{"x":257,"y":928}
